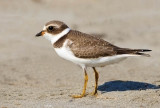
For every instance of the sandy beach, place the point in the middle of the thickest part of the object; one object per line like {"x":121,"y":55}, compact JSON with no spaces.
{"x":32,"y":75}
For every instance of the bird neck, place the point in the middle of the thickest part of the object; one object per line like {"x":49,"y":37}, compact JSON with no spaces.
{"x":53,"y":38}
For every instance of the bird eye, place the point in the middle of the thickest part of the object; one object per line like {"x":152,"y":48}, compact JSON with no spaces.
{"x":50,"y":28}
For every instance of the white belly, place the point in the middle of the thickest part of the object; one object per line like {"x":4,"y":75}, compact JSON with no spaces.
{"x":67,"y":54}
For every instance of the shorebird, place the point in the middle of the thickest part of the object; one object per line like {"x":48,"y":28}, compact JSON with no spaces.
{"x":85,"y":50}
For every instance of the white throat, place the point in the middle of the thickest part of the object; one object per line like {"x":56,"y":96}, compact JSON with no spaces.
{"x":54,"y":38}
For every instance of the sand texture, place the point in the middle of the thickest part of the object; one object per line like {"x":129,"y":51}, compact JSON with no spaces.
{"x":33,"y":76}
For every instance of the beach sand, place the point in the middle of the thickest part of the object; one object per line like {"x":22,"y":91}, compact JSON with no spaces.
{"x":33,"y":76}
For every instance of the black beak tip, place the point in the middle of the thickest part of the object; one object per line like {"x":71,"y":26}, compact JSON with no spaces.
{"x":39,"y":34}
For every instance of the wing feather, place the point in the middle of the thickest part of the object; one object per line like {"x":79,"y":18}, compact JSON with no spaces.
{"x":87,"y":46}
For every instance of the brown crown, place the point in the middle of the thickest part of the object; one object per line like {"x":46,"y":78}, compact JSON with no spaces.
{"x":58,"y":27}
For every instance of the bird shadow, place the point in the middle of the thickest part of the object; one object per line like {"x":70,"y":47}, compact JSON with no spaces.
{"x":119,"y":85}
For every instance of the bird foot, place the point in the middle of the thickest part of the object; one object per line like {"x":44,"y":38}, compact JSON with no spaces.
{"x":78,"y":96}
{"x":94,"y":93}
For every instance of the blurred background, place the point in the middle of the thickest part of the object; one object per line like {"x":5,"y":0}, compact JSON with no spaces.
{"x":28,"y":64}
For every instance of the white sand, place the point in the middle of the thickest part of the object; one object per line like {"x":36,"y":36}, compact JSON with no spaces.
{"x":33,"y":76}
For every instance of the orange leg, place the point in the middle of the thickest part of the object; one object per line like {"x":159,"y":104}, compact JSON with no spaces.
{"x":96,"y":81}
{"x":84,"y":88}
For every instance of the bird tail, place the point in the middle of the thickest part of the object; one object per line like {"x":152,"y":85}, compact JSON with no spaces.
{"x":139,"y":52}
{"x":134,"y":51}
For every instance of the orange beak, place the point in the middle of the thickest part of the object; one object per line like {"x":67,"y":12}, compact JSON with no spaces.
{"x":40,"y":33}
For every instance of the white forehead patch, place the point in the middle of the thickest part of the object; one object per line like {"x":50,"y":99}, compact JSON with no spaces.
{"x":44,"y":28}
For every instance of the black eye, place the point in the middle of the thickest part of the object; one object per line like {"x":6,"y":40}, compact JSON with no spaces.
{"x":50,"y":28}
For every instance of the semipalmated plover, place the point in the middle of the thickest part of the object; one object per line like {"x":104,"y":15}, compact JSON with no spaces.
{"x":85,"y":50}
